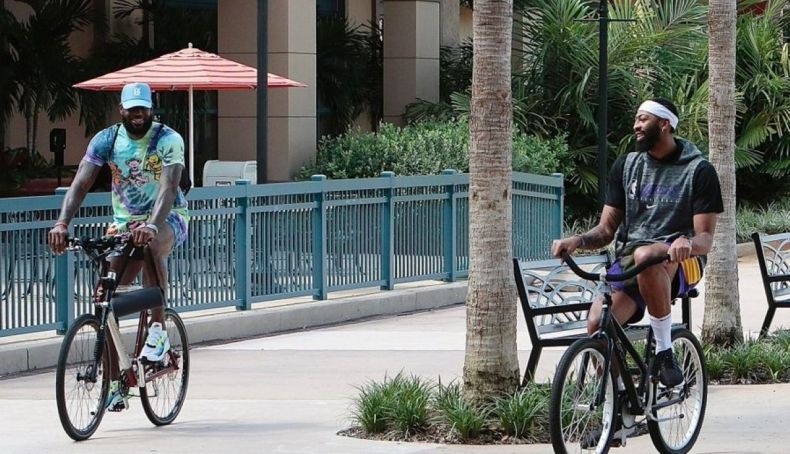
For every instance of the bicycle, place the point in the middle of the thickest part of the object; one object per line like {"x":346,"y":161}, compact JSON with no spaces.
{"x":603,"y":385}
{"x":81,"y":379}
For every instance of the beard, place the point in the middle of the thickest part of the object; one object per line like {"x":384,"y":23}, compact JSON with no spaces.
{"x":652,"y":133}
{"x":142,"y":130}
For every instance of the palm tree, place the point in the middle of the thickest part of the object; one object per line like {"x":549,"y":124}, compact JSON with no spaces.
{"x":8,"y":85}
{"x":491,"y":361}
{"x":45,"y":66}
{"x":722,"y":320}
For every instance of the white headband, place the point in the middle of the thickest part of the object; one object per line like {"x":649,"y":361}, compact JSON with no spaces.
{"x":660,"y":111}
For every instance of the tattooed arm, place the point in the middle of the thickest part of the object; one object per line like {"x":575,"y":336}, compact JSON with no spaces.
{"x":83,"y":180}
{"x":598,"y":237}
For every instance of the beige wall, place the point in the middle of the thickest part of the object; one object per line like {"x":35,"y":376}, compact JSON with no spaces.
{"x":411,"y":55}
{"x":465,"y":24}
{"x":359,"y":12}
{"x":449,"y":17}
{"x":292,"y":111}
{"x":237,"y":40}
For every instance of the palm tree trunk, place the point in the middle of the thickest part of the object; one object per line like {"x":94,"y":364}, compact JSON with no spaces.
{"x":491,"y":361}
{"x":722,"y":320}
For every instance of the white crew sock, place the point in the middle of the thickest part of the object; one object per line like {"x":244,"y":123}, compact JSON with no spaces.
{"x":662,"y":331}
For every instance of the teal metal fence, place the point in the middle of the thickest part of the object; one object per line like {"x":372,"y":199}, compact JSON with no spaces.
{"x":253,"y":243}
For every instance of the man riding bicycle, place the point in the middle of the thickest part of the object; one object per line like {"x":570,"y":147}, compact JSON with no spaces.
{"x":662,"y":199}
{"x":146,"y":159}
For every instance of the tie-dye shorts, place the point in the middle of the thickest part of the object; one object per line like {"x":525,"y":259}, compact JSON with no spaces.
{"x":174,"y":220}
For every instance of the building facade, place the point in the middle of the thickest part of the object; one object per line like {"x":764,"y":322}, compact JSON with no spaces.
{"x":413,"y":31}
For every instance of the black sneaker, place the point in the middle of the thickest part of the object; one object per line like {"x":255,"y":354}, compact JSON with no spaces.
{"x":666,"y":369}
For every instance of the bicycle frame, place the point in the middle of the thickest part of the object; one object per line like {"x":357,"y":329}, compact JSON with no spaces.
{"x":130,"y":367}
{"x":619,"y":347}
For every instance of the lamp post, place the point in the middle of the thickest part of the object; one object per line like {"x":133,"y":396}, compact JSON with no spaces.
{"x":262,"y":154}
{"x":603,"y":101}
{"x":603,"y":89}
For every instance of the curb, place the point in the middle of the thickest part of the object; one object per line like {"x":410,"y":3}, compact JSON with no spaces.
{"x":40,"y":354}
{"x":745,"y":249}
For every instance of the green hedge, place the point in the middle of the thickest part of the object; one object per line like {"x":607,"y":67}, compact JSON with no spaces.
{"x":425,"y":149}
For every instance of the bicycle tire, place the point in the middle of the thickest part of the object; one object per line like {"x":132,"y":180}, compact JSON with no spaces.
{"x":689,"y":354}
{"x":163,"y":397}
{"x":81,"y":404}
{"x":570,"y":395}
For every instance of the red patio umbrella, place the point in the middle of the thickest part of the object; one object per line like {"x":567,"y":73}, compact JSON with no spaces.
{"x":188,"y":69}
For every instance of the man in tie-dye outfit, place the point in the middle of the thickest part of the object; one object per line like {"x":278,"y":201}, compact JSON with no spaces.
{"x":146,"y":159}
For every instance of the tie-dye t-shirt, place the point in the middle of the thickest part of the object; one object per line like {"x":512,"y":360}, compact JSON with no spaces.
{"x":135,"y":176}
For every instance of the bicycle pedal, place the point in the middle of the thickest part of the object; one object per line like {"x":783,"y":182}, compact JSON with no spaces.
{"x":119,"y":407}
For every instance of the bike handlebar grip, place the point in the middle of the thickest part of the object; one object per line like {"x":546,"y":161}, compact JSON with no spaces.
{"x":579,"y":272}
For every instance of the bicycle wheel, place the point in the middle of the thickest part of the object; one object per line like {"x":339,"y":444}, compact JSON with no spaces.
{"x":81,"y":384}
{"x":163,"y":396}
{"x":578,"y":424}
{"x":678,"y":425}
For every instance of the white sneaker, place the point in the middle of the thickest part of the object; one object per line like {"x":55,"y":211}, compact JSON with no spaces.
{"x":157,"y":344}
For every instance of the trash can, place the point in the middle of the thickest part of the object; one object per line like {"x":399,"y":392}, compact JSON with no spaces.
{"x":225,"y":173}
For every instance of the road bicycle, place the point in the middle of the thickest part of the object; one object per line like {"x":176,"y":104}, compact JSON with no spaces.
{"x":82,"y":378}
{"x":603,"y":389}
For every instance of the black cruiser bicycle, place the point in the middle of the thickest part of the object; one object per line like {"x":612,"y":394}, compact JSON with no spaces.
{"x":603,"y":389}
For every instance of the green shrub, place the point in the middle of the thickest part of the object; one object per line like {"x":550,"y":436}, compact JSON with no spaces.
{"x":463,"y":417}
{"x":425,"y":149}
{"x":768,"y":219}
{"x":398,"y":404}
{"x":754,"y":361}
{"x":409,"y":413}
{"x":446,"y":396}
{"x":714,"y":364}
{"x":372,"y":406}
{"x":522,"y":412}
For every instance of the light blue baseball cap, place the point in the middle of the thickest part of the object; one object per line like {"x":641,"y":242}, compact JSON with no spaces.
{"x":136,"y":94}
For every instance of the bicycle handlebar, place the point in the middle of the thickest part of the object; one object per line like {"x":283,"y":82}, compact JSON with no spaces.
{"x":97,"y":244}
{"x":612,"y":277}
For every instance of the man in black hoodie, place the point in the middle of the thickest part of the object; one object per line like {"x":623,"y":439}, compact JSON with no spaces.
{"x":662,"y":199}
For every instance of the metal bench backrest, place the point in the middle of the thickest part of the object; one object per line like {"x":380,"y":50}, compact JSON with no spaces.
{"x":773,"y":253}
{"x":553,"y":296}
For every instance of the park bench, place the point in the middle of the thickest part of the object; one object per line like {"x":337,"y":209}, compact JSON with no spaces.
{"x":773,"y":254}
{"x":555,"y":302}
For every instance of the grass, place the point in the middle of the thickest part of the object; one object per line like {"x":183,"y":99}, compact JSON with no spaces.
{"x":770,"y":219}
{"x":524,"y":412}
{"x":411,"y":408}
{"x":754,"y":361}
{"x":398,"y":404}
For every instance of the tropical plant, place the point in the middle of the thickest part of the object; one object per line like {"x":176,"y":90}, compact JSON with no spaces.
{"x":763,"y":76}
{"x":8,"y":85}
{"x":349,"y":69}
{"x":42,"y":65}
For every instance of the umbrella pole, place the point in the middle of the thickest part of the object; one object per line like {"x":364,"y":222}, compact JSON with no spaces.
{"x":191,"y":138}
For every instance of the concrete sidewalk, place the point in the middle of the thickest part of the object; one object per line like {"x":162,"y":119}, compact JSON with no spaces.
{"x":30,"y":352}
{"x":292,"y":393}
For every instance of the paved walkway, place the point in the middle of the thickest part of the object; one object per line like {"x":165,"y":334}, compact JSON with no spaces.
{"x":291,"y":393}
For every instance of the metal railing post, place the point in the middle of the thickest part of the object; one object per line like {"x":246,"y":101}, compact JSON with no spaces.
{"x":388,"y":235}
{"x":243,"y":253}
{"x":449,"y":232}
{"x":559,"y":208}
{"x":319,"y":242}
{"x":64,"y":282}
